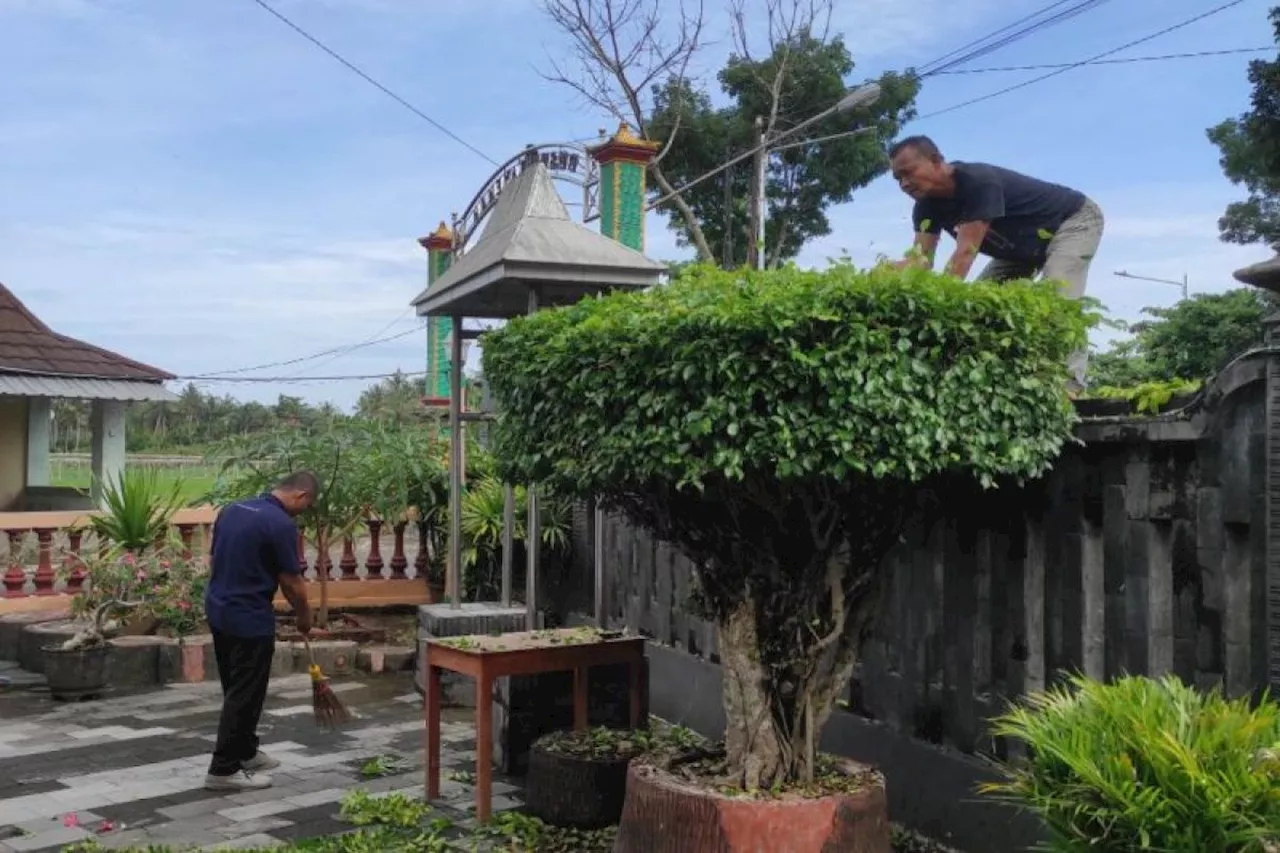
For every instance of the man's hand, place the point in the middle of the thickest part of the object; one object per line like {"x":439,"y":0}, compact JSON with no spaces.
{"x":303,"y":621}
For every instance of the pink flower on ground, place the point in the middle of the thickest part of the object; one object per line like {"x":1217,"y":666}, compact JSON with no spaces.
{"x":70,"y":819}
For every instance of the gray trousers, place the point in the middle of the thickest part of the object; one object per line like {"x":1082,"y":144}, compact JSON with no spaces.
{"x":1067,"y":260}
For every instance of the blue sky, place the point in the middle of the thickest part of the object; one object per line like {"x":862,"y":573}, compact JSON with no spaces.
{"x":196,"y":186}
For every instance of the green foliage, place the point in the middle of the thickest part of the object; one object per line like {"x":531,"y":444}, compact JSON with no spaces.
{"x":777,"y":427}
{"x":364,"y":809}
{"x":1191,"y":340}
{"x":1148,"y":397}
{"x":1250,"y":149}
{"x":785,"y":376}
{"x":136,"y":508}
{"x":802,"y":181}
{"x":164,"y":585}
{"x":1141,"y":764}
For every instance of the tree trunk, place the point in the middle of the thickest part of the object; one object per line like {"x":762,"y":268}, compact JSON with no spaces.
{"x":779,"y":690}
{"x":322,"y":574}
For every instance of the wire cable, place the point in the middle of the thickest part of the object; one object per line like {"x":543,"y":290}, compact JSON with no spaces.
{"x":376,"y":336}
{"x":1054,"y":73}
{"x":371,"y":81}
{"x":211,"y":380}
{"x":1123,"y":61}
{"x":226,"y":375}
{"x":989,"y":46}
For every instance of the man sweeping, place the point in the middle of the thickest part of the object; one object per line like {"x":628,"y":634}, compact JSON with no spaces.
{"x":1026,"y":226}
{"x":255,"y":552}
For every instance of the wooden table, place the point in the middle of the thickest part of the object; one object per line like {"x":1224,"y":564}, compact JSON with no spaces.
{"x":485,"y":657}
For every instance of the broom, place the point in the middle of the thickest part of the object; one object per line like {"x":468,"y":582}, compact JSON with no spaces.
{"x":329,"y":710}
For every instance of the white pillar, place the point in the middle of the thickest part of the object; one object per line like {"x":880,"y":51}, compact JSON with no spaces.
{"x":106,"y":420}
{"x":39,"y":427}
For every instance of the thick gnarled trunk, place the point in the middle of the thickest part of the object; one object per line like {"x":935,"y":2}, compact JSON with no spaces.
{"x":777,"y":699}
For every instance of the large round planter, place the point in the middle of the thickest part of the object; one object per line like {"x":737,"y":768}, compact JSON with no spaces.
{"x":79,"y":674}
{"x":663,"y":814}
{"x":576,"y":791}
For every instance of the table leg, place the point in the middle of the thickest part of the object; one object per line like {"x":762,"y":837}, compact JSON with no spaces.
{"x":580,"y":681}
{"x":636,"y":674}
{"x":484,"y":746}
{"x":431,"y":714}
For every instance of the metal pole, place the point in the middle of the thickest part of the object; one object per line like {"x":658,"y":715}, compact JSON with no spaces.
{"x":759,"y":176}
{"x":1184,"y":286}
{"x":597,"y":558}
{"x":727,"y":262}
{"x":508,"y":540}
{"x":453,"y":577}
{"x":533,"y":531}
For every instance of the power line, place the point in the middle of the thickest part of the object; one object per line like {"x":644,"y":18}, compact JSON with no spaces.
{"x":1059,"y":68}
{"x":369,"y":341}
{"x":1015,"y":87}
{"x":1157,"y":58}
{"x":985,"y":45}
{"x":372,"y":82}
{"x":223,"y":375}
{"x":298,"y":379}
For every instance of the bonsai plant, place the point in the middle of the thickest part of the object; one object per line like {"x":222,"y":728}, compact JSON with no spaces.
{"x":780,"y":428}
{"x":77,"y":667}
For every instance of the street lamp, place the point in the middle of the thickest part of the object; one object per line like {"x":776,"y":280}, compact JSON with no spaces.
{"x":1182,"y":284}
{"x":859,"y":96}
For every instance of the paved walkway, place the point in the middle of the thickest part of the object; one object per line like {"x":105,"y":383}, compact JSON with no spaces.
{"x":128,"y":770}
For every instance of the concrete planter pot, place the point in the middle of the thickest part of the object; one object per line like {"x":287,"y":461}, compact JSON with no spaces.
{"x":664,"y":814}
{"x":77,"y":674}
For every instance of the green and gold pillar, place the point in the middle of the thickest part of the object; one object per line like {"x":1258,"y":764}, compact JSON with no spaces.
{"x":439,"y":246}
{"x":624,"y":166}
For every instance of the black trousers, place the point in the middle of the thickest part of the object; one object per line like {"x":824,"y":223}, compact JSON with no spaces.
{"x":244,"y":668}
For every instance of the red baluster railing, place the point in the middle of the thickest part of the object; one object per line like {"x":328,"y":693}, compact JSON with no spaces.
{"x":15,"y":576}
{"x":44,"y":579}
{"x":77,"y":575}
{"x":187,"y":533}
{"x":373,"y":563}
{"x":398,"y":560}
{"x":420,"y":563}
{"x":347,"y":564}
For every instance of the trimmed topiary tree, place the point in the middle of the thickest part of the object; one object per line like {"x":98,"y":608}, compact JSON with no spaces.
{"x":779,"y":427}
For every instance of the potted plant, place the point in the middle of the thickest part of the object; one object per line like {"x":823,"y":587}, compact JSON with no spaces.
{"x":780,"y":428}
{"x":579,"y":779}
{"x":78,"y":667}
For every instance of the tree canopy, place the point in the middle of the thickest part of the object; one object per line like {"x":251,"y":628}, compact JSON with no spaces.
{"x":778,"y":427}
{"x":801,"y":77}
{"x":1189,"y":341}
{"x":1250,"y":148}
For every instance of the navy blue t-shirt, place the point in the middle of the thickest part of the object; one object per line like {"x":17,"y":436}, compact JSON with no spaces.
{"x":1024,"y":212}
{"x":254,"y":542}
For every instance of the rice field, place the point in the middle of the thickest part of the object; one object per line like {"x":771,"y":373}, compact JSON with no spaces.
{"x":194,"y":476}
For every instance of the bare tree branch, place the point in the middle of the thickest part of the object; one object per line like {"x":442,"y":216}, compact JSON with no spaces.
{"x":621,"y":50}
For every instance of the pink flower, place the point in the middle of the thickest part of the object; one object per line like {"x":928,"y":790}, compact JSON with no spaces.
{"x":141,"y":576}
{"x":164,"y":564}
{"x":129,"y":559}
{"x":70,"y":819}
{"x":184,"y":605}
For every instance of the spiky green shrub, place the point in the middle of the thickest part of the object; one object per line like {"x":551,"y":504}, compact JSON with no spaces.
{"x":1144,"y":764}
{"x":779,"y":428}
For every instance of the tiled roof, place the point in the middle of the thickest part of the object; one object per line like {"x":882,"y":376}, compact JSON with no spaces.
{"x":29,"y":346}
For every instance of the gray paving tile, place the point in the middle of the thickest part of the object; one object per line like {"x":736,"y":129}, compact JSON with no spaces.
{"x":50,"y":838}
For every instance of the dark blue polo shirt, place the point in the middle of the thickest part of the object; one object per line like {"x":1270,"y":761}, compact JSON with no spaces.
{"x":1024,"y":212}
{"x":254,"y":542}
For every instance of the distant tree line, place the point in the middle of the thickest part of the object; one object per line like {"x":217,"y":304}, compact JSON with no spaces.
{"x":198,"y":419}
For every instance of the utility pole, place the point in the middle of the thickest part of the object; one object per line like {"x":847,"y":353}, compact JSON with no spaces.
{"x":727,"y":262}
{"x":755,"y":251}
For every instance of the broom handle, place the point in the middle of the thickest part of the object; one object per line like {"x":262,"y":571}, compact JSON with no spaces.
{"x":306,"y":641}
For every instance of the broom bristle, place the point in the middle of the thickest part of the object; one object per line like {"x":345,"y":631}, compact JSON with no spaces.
{"x":329,"y":710}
